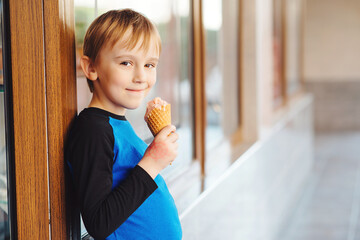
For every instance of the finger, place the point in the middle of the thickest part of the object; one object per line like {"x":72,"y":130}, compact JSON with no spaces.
{"x":173,"y":137}
{"x":166,"y":131}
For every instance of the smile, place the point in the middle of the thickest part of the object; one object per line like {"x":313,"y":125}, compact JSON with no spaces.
{"x":135,"y":90}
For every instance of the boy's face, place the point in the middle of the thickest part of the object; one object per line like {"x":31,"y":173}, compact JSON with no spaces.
{"x":124,"y":76}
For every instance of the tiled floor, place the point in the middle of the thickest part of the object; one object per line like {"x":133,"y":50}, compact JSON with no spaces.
{"x":330,"y":207}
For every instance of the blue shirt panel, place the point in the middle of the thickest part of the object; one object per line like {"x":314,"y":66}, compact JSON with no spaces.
{"x":157,"y":218}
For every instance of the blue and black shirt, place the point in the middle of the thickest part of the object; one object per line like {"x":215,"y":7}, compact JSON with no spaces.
{"x":117,"y":198}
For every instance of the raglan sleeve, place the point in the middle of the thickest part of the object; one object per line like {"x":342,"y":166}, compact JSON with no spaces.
{"x":104,"y":209}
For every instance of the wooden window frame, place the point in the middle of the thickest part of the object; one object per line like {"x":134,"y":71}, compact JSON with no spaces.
{"x":284,"y":38}
{"x":61,"y":103}
{"x":44,"y":103}
{"x":199,"y":84}
{"x":196,"y":178}
{"x":282,"y":46}
{"x":204,"y":157}
{"x":302,"y":45}
{"x":30,"y":144}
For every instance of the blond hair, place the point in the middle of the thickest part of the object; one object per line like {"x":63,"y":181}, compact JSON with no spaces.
{"x":111,"y":27}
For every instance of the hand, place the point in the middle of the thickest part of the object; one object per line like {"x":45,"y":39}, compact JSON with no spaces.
{"x":161,"y":152}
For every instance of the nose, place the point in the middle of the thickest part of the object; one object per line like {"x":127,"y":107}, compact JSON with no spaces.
{"x":140,"y":75}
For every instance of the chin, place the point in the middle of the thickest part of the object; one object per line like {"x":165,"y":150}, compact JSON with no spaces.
{"x":133,"y":106}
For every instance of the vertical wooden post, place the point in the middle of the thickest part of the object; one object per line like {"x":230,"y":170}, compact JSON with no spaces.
{"x":60,"y":102}
{"x":284,"y":51}
{"x":199,"y":84}
{"x":249,"y":71}
{"x":44,"y":102}
{"x":29,"y":110}
{"x":302,"y":44}
{"x":240,"y":62}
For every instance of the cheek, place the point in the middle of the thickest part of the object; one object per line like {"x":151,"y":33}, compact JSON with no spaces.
{"x":151,"y":83}
{"x":152,"y":80}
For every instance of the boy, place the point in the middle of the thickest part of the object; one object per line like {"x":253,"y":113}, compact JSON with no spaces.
{"x":116,"y":175}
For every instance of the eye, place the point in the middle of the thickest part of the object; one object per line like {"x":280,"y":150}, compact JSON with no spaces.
{"x":125,"y":63}
{"x":150,"y":65}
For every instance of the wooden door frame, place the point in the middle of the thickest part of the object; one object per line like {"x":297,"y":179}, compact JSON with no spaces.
{"x":44,"y":103}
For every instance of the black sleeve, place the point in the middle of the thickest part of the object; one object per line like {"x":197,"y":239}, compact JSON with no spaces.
{"x":91,"y":158}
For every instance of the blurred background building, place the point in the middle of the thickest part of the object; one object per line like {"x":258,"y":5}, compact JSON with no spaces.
{"x":265,"y":95}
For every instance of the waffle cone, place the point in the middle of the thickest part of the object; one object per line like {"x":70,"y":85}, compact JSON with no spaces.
{"x":158,"y":119}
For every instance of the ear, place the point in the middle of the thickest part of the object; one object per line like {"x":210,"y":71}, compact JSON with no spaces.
{"x":88,"y":68}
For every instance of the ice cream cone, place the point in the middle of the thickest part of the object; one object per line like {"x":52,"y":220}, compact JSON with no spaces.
{"x":159,"y":118}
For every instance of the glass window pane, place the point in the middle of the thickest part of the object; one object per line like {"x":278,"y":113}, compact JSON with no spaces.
{"x":278,"y":47}
{"x":293,"y":42}
{"x":85,"y":12}
{"x":172,"y":18}
{"x":220,"y":20}
{"x":4,"y":198}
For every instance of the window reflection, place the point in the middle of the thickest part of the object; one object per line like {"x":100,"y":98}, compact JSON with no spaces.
{"x":4,"y":199}
{"x":293,"y":42}
{"x":220,"y":22}
{"x":278,"y":48}
{"x":84,"y":14}
{"x":172,"y":18}
{"x":4,"y":218}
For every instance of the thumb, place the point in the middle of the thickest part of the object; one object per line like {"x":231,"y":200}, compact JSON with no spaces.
{"x":166,"y":131}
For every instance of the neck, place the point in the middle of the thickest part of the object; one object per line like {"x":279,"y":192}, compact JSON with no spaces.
{"x":95,"y":102}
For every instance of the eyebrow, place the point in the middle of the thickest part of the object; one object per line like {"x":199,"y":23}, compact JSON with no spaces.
{"x":131,"y":56}
{"x":123,"y":56}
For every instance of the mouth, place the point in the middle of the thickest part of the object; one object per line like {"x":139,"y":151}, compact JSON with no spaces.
{"x":135,"y":90}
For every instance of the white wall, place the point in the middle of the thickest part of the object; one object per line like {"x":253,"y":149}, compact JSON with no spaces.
{"x":332,"y":40}
{"x":332,"y":63}
{"x":252,"y":199}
